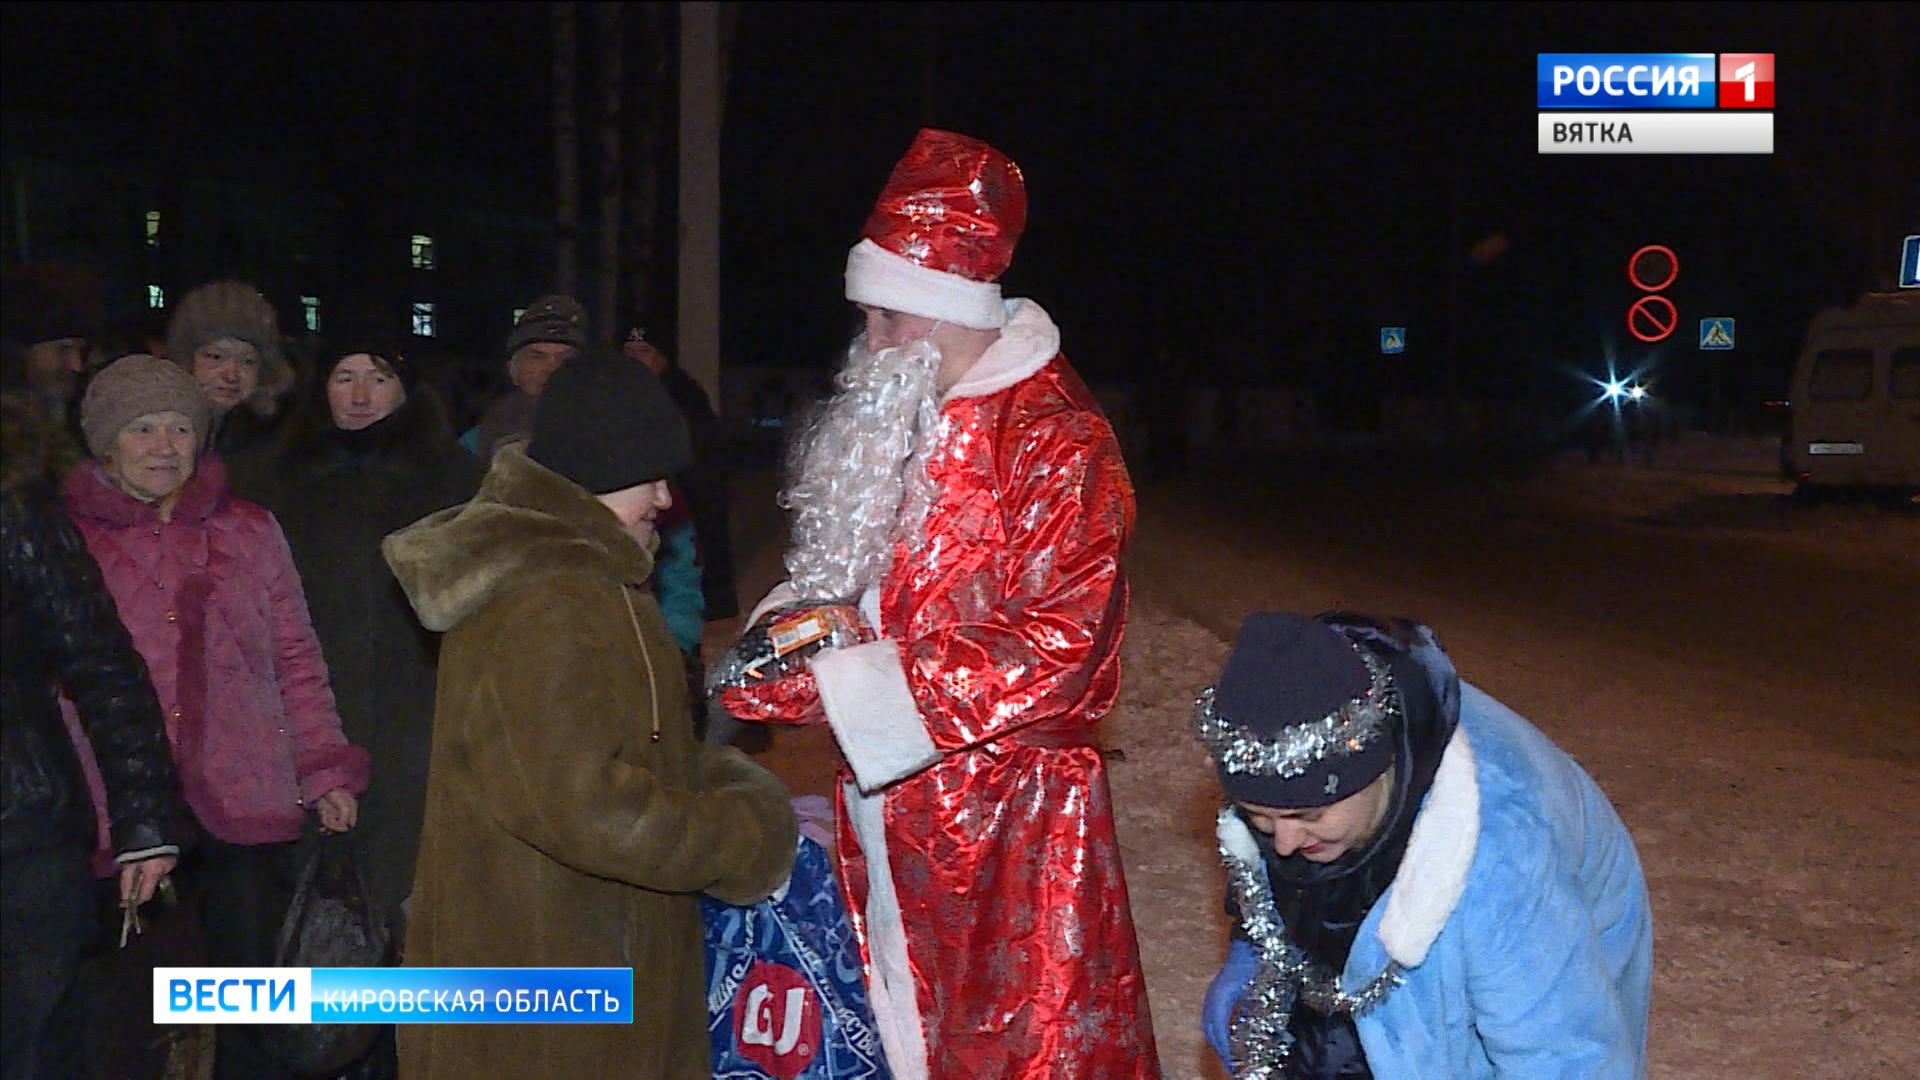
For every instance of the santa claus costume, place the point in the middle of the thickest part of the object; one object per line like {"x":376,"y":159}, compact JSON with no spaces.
{"x":976,"y":835}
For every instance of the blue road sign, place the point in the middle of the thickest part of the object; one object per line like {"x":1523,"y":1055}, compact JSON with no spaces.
{"x":1716,"y":335}
{"x":1910,"y":263}
{"x":1393,"y":339}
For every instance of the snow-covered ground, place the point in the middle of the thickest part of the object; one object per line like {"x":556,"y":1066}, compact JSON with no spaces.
{"x":1739,"y":673}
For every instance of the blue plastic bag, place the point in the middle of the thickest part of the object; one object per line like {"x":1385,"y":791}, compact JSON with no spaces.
{"x":786,"y":999}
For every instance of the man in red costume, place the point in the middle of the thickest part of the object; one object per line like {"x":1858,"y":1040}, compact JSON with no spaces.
{"x":964,"y":492}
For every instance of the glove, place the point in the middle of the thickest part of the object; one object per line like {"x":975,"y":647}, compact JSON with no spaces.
{"x":1216,"y":1012}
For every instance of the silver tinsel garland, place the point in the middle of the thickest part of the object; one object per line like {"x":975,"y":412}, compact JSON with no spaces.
{"x":1260,"y":1042}
{"x":1296,"y":749}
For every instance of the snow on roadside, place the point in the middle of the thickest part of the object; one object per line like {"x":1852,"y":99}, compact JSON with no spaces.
{"x":1778,"y":952}
{"x":1779,"y":859}
{"x":1730,"y":486}
{"x":1165,"y":798}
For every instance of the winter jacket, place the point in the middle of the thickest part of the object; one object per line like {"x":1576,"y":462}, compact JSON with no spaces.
{"x":244,"y":434}
{"x":676,"y":585}
{"x":1519,"y":913}
{"x":507,"y":420}
{"x":572,"y":816}
{"x":336,"y":495}
{"x":215,"y":608}
{"x":705,"y":487}
{"x":61,"y":629}
{"x":679,"y":577}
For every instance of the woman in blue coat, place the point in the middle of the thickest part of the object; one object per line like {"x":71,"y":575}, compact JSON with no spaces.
{"x":1423,"y":885}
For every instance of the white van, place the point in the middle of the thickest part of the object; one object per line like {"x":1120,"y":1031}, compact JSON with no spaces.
{"x":1856,"y":398}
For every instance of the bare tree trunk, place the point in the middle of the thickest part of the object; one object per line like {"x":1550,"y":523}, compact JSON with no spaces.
{"x":702,"y":105}
{"x":729,"y":30}
{"x":649,"y":124}
{"x":566,"y":149}
{"x":612,"y":172}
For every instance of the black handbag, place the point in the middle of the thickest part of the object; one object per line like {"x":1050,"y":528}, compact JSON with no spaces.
{"x":332,"y":922}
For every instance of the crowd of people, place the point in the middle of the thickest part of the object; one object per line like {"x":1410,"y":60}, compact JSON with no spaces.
{"x":209,"y":662}
{"x":245,"y":610}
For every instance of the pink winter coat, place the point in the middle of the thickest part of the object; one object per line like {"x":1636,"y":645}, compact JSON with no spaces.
{"x":215,"y":608}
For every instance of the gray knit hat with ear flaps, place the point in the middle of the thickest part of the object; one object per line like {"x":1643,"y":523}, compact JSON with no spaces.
{"x":231,"y":309}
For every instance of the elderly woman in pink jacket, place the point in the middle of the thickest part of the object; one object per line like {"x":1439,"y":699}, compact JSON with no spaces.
{"x":206,"y":585}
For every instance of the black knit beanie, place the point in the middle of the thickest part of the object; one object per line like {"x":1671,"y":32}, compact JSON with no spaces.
{"x":605,"y":423}
{"x":387,"y":349}
{"x":1285,"y":674}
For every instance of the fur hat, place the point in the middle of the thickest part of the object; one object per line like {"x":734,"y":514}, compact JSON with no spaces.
{"x":132,"y":387}
{"x":231,"y":309}
{"x":1302,"y":715}
{"x":560,"y":319}
{"x":607,"y":424}
{"x":31,"y":313}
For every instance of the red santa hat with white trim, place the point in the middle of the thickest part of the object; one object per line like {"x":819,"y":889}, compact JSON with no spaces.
{"x":942,"y":233}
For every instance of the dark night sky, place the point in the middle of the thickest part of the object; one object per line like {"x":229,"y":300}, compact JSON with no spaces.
{"x":1233,"y":180}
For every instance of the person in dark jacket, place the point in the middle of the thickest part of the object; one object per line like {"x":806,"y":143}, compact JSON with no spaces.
{"x":548,"y":334}
{"x":705,"y":482}
{"x":370,"y":451}
{"x":62,"y":629}
{"x":43,"y":349}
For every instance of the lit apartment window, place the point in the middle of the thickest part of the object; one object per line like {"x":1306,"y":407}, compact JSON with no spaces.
{"x":153,"y":230}
{"x":422,"y":251}
{"x":311,"y":305}
{"x":423,"y":320}
{"x":156,"y":297}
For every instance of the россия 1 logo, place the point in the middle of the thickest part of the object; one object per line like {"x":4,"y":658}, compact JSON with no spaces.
{"x":1679,"y":103}
{"x":1626,"y":81}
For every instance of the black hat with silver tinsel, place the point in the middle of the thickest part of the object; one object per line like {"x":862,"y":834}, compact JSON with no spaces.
{"x":1300,"y":716}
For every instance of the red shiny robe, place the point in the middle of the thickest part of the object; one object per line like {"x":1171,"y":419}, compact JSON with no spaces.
{"x":1003,"y":859}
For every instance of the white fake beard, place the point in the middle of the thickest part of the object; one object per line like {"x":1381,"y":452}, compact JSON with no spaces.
{"x":857,"y":476}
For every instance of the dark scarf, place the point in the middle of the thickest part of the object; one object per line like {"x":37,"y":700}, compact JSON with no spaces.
{"x":1324,"y":904}
{"x":407,"y":441}
{"x":378,"y":435}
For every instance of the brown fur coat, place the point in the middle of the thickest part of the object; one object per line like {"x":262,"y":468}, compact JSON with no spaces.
{"x":559,"y":832}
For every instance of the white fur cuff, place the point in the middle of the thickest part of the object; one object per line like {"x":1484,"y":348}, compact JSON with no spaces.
{"x":879,"y":277}
{"x":872,"y":712}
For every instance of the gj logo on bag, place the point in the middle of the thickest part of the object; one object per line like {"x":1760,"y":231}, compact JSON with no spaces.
{"x":785,"y":996}
{"x":775,"y":1021}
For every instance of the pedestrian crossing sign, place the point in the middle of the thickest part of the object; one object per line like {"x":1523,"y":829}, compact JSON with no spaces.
{"x":1716,"y":334}
{"x":1393,"y":340}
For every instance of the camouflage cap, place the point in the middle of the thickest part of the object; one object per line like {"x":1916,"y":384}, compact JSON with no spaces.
{"x":554,"y":318}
